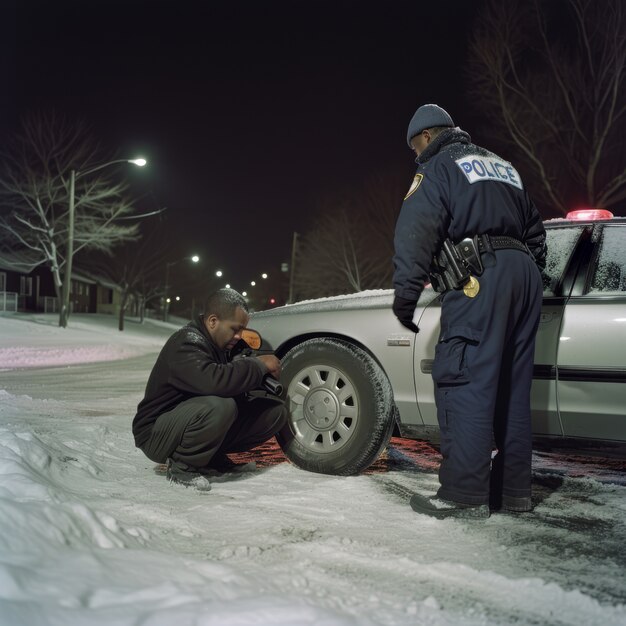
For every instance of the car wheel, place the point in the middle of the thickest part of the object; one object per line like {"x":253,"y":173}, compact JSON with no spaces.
{"x":341,"y":407}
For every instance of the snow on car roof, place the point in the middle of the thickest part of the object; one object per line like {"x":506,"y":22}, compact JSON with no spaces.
{"x":368,"y":293}
{"x":370,"y":298}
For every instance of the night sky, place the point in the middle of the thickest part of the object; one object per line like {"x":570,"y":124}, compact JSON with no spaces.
{"x":250,"y":113}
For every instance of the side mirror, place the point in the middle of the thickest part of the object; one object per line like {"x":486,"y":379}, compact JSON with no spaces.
{"x":252,"y":338}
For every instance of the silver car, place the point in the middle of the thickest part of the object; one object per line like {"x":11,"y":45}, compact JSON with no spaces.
{"x":353,"y":375}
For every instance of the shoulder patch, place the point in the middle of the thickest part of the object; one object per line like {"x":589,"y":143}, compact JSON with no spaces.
{"x":414,"y":185}
{"x":478,"y":168}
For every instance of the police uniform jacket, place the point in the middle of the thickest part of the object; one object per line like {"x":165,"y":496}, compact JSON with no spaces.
{"x":189,"y":365}
{"x":460,"y":190}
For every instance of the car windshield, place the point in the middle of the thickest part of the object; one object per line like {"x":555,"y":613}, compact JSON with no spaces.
{"x":610,"y":271}
{"x":560,"y":242}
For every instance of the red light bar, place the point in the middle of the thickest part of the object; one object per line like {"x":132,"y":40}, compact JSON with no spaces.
{"x":585,"y":215}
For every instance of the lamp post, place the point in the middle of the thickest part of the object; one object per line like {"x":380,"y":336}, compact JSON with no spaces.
{"x":166,"y":300}
{"x":65,"y":293}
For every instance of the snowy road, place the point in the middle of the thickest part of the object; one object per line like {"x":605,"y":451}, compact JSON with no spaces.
{"x":93,"y":534}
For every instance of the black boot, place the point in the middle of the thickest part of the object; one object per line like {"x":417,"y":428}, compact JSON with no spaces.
{"x":442,"y":509}
{"x":186,"y":476}
{"x":221,"y":464}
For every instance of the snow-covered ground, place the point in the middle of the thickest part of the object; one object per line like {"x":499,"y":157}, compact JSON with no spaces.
{"x":91,"y":532}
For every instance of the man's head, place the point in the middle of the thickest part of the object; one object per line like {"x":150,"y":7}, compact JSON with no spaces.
{"x":225,"y":316}
{"x":429,"y":120}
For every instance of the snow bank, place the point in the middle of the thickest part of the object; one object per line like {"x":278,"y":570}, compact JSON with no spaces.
{"x":37,"y":340}
{"x":92,"y":533}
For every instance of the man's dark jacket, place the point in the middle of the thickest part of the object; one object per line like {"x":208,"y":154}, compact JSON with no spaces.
{"x":460,"y":190}
{"x":189,"y":365}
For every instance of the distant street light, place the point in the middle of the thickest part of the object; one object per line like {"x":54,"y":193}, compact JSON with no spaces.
{"x":166,"y":308}
{"x":219,"y":273}
{"x":263,"y":276}
{"x":74,"y":176}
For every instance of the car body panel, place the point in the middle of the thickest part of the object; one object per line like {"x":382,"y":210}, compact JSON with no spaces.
{"x":543,"y":393}
{"x":375,"y":328}
{"x":591,"y":381}
{"x":563,"y":406}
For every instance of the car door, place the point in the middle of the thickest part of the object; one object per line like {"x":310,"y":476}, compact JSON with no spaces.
{"x":591,"y":368}
{"x":561,"y":265}
{"x":425,"y":343}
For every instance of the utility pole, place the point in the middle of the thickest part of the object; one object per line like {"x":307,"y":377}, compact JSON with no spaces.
{"x":64,"y":313}
{"x":294,"y":246}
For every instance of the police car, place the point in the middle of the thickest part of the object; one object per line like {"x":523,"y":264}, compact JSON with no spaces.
{"x":353,"y":376}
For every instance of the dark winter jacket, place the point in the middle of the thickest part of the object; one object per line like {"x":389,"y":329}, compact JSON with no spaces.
{"x":460,"y":190}
{"x":190,"y":364}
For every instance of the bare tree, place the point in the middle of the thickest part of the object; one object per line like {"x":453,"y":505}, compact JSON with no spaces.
{"x":136,"y":267}
{"x":35,"y":188}
{"x":549,"y":77}
{"x":351,"y":245}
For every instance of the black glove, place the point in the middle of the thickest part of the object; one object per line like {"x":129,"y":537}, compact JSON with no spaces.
{"x":403,"y":310}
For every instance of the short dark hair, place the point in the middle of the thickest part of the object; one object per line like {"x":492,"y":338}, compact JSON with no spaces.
{"x":223,"y":303}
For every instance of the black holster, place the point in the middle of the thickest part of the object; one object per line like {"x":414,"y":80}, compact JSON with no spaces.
{"x":453,"y":264}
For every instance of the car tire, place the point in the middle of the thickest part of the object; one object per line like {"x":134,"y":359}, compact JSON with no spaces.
{"x":341,"y":407}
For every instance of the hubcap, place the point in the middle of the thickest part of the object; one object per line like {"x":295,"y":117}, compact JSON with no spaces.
{"x":321,"y":409}
{"x":324,"y":408}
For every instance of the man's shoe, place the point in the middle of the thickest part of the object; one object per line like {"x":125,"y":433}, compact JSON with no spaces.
{"x":517,"y":504}
{"x":224,"y":465}
{"x":178,"y":475}
{"x":442,"y":509}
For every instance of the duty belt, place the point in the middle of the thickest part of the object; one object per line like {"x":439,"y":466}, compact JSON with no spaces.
{"x":455,"y":263}
{"x":498,"y":242}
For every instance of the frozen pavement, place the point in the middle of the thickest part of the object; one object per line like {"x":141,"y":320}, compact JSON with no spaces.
{"x":93,"y":534}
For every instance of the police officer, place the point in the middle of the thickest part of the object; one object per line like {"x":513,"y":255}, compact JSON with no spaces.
{"x":469,"y":226}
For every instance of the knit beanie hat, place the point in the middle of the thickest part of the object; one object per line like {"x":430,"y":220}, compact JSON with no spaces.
{"x":427,"y":116}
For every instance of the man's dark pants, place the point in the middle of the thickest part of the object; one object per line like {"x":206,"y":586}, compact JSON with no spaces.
{"x":202,"y":427}
{"x":483,"y":373}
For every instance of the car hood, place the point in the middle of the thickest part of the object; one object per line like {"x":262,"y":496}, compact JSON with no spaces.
{"x":370,"y":299}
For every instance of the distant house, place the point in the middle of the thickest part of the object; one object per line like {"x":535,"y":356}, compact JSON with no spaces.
{"x":19,"y":288}
{"x":8,"y":289}
{"x":24,"y":290}
{"x":109,"y":296}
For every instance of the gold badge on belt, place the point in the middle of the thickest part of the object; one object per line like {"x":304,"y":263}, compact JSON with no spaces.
{"x":471,"y":287}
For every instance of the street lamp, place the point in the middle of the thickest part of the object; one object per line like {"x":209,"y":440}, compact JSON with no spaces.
{"x":74,"y":175}
{"x":166,"y":307}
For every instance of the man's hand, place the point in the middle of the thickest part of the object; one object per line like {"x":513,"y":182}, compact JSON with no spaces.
{"x":404,"y":310}
{"x":272,"y":363}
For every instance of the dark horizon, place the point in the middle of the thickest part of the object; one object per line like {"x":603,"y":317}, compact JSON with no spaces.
{"x":250,"y":116}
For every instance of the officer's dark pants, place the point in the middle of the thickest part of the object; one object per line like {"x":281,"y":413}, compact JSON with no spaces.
{"x":197,"y":429}
{"x":483,"y":372}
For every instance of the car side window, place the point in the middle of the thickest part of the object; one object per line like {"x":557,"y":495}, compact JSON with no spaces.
{"x":609,"y":276}
{"x":560,"y":243}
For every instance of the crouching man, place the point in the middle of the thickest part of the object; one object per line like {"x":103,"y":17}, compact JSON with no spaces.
{"x":196,"y":408}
